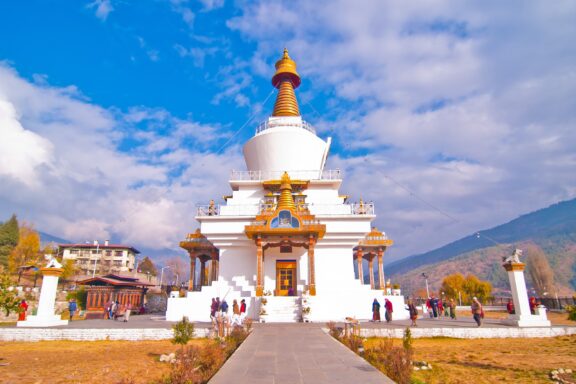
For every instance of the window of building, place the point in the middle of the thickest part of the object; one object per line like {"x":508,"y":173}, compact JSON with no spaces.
{"x":118,"y":253}
{"x":73,"y":251}
{"x":108,"y":253}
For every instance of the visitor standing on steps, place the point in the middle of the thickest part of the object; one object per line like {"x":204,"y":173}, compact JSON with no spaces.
{"x":242,"y":310}
{"x":389,"y":310}
{"x":375,"y":310}
{"x":477,"y":311}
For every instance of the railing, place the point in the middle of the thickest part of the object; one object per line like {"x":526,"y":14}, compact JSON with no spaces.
{"x":315,"y":209}
{"x":327,"y":174}
{"x":273,"y":124}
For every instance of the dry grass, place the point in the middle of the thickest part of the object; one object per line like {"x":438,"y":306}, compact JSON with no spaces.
{"x":556,"y":318}
{"x":70,"y":362}
{"x":493,"y":360}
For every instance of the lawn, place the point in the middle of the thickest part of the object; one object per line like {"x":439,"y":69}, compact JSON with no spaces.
{"x":82,"y":362}
{"x":491,"y":360}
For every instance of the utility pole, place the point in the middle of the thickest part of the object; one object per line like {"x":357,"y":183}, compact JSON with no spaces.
{"x":425,"y":276}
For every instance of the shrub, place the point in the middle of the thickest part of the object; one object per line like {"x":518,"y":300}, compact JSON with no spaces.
{"x":335,"y":332}
{"x":571,"y":309}
{"x":394,"y":361}
{"x":183,"y":332}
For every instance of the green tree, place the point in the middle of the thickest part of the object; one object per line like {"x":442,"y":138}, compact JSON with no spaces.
{"x":8,"y":298}
{"x":453,"y":286}
{"x":27,"y":252}
{"x":146,"y":266}
{"x":8,"y":239}
{"x":183,"y":332}
{"x":468,"y":287}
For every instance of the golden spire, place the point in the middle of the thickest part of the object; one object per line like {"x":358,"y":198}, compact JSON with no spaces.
{"x":286,"y":201}
{"x":286,"y":79}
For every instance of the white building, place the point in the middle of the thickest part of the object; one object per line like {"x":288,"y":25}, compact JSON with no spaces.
{"x":285,"y":233}
{"x":99,"y":258}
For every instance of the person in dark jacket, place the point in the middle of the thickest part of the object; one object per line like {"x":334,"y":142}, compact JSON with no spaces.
{"x":413,"y":312}
{"x":375,"y":310}
{"x":389,"y":310}
{"x":72,"y":308}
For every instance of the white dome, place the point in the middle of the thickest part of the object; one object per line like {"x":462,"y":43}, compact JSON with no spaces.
{"x":285,"y":144}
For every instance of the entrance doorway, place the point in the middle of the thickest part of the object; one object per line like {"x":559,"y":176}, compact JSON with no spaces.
{"x":285,"y":278}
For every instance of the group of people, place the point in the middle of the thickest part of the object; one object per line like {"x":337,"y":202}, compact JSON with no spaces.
{"x":435,"y":306}
{"x":388,"y":309}
{"x":114,"y":310}
{"x":219,"y":312}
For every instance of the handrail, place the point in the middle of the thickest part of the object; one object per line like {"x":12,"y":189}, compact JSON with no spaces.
{"x":274,"y":124}
{"x":315,"y":209}
{"x":316,"y":174}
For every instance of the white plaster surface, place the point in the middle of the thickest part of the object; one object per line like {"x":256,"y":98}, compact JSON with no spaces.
{"x":45,"y":316}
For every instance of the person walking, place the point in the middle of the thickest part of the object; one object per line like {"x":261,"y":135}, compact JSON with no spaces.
{"x":440,"y":308}
{"x":242,"y":310}
{"x":213,"y":308}
{"x":510,"y":307}
{"x":235,"y":313}
{"x":413,"y":312}
{"x":375,"y":311}
{"x":389,"y":310}
{"x":127,"y":312}
{"x":434,"y":303}
{"x":452,"y":306}
{"x":477,"y":311}
{"x":72,"y":308}
{"x":22,"y":308}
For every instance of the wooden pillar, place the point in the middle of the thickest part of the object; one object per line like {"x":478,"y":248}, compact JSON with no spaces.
{"x":214,"y":266}
{"x":192,"y":272}
{"x":259,"y":267}
{"x":359,"y":258}
{"x":371,"y":269}
{"x":381,"y":281}
{"x":311,"y":268}
{"x":202,"y":272}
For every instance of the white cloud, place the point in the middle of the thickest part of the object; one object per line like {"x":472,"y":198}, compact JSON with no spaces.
{"x":61,"y":167}
{"x":464,"y":114}
{"x":209,"y":5}
{"x":22,"y":152}
{"x":102,"y":7}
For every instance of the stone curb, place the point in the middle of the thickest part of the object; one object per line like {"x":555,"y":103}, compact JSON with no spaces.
{"x":41,"y":334}
{"x":469,"y":333}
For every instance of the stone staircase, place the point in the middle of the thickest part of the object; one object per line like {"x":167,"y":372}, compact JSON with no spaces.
{"x":282,"y":309}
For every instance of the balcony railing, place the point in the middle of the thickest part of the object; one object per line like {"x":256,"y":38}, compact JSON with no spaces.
{"x":274,"y":124}
{"x":315,"y":209}
{"x":327,"y":174}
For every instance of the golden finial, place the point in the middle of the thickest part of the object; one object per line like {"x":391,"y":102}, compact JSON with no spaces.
{"x":286,"y":201}
{"x":286,"y":79}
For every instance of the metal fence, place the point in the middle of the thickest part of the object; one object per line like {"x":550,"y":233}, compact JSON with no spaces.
{"x":556,"y":303}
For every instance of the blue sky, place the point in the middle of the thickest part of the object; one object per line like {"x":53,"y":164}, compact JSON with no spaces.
{"x":118,"y":117}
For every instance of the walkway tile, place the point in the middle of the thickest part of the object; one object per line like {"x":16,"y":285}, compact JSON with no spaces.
{"x":295,"y":354}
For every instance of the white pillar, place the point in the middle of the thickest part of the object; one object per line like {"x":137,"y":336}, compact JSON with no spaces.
{"x":522,"y":316}
{"x":45,"y":316}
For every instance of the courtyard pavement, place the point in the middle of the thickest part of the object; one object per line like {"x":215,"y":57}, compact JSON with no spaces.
{"x":158,"y":321}
{"x":295,"y":354}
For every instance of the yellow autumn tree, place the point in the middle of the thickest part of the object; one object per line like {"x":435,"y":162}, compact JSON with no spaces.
{"x":456,"y":285}
{"x":27,"y":251}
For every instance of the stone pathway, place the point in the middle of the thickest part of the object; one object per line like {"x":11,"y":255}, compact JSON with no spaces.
{"x":295,"y":354}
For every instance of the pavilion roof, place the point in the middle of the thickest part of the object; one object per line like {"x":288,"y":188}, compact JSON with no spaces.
{"x":115,"y":280}
{"x":374,"y":239}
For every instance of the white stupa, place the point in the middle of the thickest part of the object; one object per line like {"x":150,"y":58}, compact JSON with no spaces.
{"x":286,"y":234}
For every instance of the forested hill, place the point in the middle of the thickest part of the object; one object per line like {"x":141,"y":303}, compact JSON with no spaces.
{"x":556,"y":221}
{"x":46,"y":238}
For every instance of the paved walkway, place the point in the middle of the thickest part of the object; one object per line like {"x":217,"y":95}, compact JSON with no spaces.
{"x":295,"y":354}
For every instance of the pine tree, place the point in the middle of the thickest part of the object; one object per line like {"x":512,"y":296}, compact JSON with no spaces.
{"x":9,"y":235}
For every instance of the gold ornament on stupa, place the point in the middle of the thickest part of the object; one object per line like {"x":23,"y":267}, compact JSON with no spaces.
{"x":286,"y":79}
{"x":286,"y":201}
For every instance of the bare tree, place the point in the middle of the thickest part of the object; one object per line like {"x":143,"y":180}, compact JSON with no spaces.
{"x":539,"y":269}
{"x":178,"y":271}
